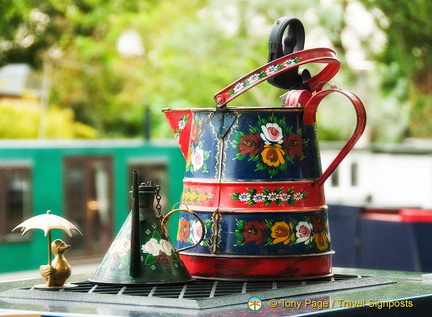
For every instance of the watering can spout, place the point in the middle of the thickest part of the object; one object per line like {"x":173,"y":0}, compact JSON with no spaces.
{"x":180,"y":122}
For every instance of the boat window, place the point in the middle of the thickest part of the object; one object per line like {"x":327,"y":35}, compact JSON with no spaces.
{"x":15,"y":200}
{"x":88,"y":187}
{"x":354,"y":174}
{"x":156,"y":172}
{"x":334,"y":178}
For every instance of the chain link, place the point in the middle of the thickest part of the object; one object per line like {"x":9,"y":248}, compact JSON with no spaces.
{"x":158,"y":198}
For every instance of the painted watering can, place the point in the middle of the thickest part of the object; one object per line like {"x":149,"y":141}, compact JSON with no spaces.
{"x":254,"y":174}
{"x":142,"y":252}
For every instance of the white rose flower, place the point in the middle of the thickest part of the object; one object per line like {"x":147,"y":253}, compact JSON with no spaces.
{"x":152,"y":247}
{"x":166,"y":246}
{"x":271,"y":133}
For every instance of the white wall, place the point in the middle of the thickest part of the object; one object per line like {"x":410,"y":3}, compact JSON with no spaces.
{"x":384,"y":179}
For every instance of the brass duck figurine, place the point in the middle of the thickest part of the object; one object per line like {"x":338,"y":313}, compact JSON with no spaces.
{"x":59,"y":271}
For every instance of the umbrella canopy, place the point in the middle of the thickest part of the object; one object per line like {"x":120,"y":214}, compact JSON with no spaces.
{"x":47,"y":222}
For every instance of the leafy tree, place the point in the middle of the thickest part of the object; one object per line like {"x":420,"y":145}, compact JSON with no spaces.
{"x":74,"y":41}
{"x":17,"y":121}
{"x":192,"y":49}
{"x":405,"y":63}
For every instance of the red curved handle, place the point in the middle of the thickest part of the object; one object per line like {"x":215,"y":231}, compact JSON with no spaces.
{"x":280,"y":65}
{"x":309,"y":118}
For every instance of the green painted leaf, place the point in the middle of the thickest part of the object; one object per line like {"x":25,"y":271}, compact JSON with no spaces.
{"x":156,"y":235}
{"x":250,"y":202}
{"x":255,"y":158}
{"x":207,"y":223}
{"x":150,"y":259}
{"x":240,"y":224}
{"x":175,"y":257}
{"x":269,"y":241}
{"x":273,"y":171}
{"x":260,"y":166}
{"x":255,"y":130}
{"x":251,"y":191}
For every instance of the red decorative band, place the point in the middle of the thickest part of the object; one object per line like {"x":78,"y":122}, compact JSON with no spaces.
{"x":253,"y":196}
{"x":280,"y":268}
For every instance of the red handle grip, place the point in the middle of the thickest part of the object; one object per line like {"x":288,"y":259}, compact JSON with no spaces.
{"x":309,"y":118}
{"x":280,"y":65}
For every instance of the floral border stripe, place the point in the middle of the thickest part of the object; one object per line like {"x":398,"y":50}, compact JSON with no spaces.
{"x":269,"y":196}
{"x":277,"y":196}
{"x":195,"y":196}
{"x":260,"y":74}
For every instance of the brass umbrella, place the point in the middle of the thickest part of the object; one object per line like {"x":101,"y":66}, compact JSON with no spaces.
{"x":47,"y":222}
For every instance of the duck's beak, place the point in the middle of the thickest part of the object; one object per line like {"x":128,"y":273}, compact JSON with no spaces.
{"x":64,"y":247}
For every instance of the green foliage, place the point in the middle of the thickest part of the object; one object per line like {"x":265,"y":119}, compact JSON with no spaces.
{"x":192,"y":50}
{"x":405,"y":63}
{"x":22,"y":122}
{"x":409,"y":40}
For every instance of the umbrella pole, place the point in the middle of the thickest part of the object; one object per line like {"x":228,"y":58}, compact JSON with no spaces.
{"x":49,"y":282}
{"x":49,"y":248}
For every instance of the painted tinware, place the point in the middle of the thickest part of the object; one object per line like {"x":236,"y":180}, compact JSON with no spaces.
{"x":142,"y":252}
{"x":254,"y":176}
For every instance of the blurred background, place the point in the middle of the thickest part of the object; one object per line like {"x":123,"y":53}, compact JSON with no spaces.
{"x":82,"y":85}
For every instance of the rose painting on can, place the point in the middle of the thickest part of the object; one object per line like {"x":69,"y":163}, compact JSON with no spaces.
{"x":190,"y":231}
{"x":289,"y":232}
{"x":197,"y":156}
{"x":271,"y":143}
{"x":159,"y":250}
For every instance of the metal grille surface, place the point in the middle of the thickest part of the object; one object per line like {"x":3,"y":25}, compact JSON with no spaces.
{"x":199,"y":289}
{"x":196,"y":295}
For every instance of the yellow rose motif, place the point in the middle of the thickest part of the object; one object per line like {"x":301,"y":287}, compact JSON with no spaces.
{"x":320,"y":239}
{"x":282,"y":232}
{"x":273,"y":155}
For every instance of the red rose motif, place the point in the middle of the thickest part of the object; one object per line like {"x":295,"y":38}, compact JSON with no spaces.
{"x":183,"y":230}
{"x":253,"y":231}
{"x":250,"y":144}
{"x":318,"y":223}
{"x":293,"y":145}
{"x":164,"y":260}
{"x":195,"y":133}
